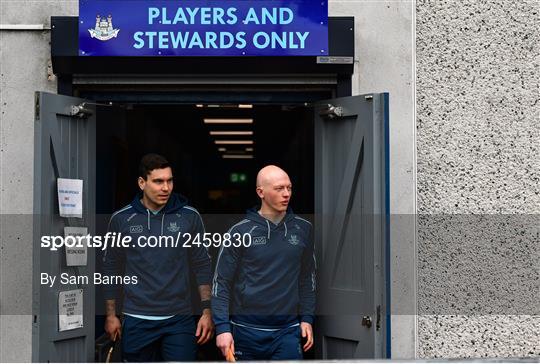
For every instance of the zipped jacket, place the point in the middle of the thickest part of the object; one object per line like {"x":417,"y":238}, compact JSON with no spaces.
{"x":163,"y":272}
{"x":271,"y":283}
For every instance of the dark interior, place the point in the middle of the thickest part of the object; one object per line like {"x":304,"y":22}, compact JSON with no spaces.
{"x":282,"y":135}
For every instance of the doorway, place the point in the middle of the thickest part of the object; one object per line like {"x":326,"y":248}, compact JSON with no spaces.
{"x":215,"y":151}
{"x":336,"y":153}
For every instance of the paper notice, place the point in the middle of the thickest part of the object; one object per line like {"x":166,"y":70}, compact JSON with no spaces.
{"x":76,"y":248}
{"x":70,"y":310}
{"x":70,"y":197}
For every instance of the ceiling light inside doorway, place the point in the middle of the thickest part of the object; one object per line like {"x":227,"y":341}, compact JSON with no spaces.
{"x":221,"y":142}
{"x":236,"y":151}
{"x":228,"y":121}
{"x":216,"y":132}
{"x":237,"y":156}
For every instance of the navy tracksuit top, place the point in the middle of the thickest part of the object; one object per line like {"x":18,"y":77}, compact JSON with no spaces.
{"x":163,"y":272}
{"x":271,"y":283}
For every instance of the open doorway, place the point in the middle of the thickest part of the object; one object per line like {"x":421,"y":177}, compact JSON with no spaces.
{"x":216,"y":177}
{"x":215,"y":152}
{"x":349,"y":151}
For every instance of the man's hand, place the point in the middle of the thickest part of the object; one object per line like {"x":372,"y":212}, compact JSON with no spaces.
{"x":113,"y":327}
{"x":205,"y":328}
{"x":225,"y":342}
{"x":307,"y":332}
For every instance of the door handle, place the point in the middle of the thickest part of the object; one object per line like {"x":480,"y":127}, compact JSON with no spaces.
{"x":366,"y":321}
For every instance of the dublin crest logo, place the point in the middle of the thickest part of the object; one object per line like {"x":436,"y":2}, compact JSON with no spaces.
{"x":173,"y":228}
{"x":104,"y":29}
{"x":293,"y":240}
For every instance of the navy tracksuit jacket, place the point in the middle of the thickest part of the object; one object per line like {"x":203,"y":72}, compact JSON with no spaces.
{"x":270,"y":284}
{"x":163,"y":273}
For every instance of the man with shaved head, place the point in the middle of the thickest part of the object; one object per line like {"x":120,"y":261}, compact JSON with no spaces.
{"x":263,"y":296}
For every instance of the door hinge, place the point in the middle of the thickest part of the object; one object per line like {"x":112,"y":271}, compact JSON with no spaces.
{"x":36,"y":106}
{"x":378,"y":322}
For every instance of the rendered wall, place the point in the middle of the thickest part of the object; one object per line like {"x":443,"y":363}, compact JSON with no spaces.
{"x":478,"y":138}
{"x":24,"y":61}
{"x":384,"y":62}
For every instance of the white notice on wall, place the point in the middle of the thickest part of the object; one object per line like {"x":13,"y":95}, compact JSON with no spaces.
{"x":76,"y":252}
{"x":70,"y":197}
{"x":70,"y":310}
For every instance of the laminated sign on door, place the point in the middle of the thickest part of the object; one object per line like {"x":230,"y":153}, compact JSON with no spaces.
{"x":70,"y":197}
{"x":76,"y":250}
{"x":70,"y":310}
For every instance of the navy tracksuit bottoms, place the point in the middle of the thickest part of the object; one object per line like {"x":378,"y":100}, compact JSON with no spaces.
{"x":172,"y":339}
{"x":256,"y":344}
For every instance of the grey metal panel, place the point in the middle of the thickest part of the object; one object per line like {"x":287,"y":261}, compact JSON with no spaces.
{"x":64,"y":147}
{"x":350,"y":221}
{"x":340,"y":348}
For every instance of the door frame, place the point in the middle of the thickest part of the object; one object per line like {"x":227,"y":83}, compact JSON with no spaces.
{"x":68,"y":85}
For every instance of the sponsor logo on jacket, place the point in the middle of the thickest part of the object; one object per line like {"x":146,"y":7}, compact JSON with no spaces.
{"x":136,"y":229}
{"x":259,"y":240}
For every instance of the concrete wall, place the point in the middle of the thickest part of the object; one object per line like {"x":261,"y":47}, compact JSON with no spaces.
{"x":478,"y":178}
{"x":24,"y":60}
{"x":384,"y":63}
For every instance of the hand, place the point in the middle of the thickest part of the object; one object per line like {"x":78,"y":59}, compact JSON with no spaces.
{"x":205,"y":328}
{"x":225,"y":342}
{"x":113,"y":327}
{"x":307,"y":332}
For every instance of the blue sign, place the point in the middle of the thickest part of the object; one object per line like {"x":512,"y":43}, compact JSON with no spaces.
{"x":203,"y":28}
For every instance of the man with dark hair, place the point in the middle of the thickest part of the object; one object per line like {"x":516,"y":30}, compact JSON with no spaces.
{"x":158,"y":321}
{"x":269,"y":286}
